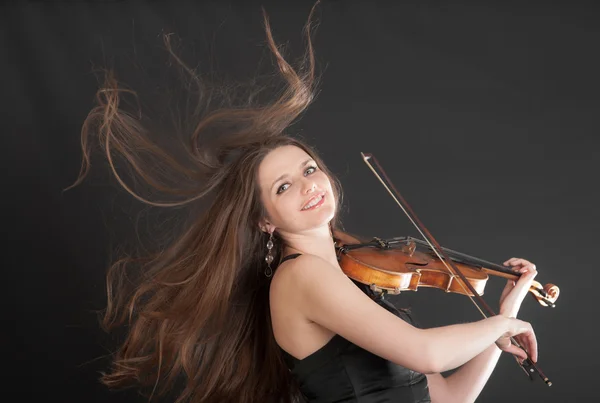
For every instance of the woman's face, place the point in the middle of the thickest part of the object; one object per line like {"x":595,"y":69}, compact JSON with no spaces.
{"x":295,"y":192}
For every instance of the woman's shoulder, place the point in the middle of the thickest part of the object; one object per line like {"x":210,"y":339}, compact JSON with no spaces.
{"x":294,"y":277}
{"x":301,"y":269}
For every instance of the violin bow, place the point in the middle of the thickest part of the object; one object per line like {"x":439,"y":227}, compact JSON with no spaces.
{"x":439,"y":251}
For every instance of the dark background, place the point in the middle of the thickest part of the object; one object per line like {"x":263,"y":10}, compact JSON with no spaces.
{"x":483,"y":114}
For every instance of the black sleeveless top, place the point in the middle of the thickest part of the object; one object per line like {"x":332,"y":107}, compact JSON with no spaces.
{"x":341,"y":371}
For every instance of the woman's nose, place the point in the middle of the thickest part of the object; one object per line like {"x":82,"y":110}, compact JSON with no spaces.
{"x":309,"y":186}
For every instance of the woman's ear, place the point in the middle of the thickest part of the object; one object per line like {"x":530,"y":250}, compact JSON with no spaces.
{"x":266,"y":226}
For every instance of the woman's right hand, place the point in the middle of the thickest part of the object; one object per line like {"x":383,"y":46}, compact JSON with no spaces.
{"x":523,"y":333}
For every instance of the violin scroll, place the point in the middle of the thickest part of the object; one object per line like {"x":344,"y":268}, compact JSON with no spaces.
{"x":546,"y":295}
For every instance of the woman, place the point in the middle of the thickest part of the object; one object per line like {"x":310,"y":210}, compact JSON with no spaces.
{"x":248,"y":303}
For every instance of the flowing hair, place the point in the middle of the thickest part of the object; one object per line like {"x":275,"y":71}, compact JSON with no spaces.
{"x":196,"y":310}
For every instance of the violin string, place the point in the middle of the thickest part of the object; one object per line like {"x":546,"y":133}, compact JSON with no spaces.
{"x":425,"y":237}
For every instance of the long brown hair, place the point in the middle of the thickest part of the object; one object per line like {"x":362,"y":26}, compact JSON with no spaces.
{"x":196,"y":311}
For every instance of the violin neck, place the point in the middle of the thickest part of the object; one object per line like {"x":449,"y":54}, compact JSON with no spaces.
{"x":454,"y":255}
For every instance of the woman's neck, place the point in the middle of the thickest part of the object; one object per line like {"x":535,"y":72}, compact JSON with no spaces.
{"x":322,"y":246}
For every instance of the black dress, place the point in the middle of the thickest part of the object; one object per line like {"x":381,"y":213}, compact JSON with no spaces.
{"x":340,"y":371}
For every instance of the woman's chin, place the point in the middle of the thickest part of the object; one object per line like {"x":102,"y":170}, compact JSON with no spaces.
{"x":322,"y":216}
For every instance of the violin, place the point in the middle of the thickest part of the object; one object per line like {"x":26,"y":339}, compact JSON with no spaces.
{"x":390,"y":266}
{"x":395,"y":265}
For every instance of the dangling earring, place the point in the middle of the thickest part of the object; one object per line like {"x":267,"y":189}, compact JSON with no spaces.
{"x":269,"y":258}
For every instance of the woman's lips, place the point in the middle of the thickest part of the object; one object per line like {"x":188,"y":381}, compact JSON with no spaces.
{"x":316,"y":205}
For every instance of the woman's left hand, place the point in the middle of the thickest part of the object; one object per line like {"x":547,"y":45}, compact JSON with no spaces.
{"x":514,"y":292}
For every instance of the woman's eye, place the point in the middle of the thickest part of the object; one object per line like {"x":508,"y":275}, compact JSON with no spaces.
{"x":282,"y":187}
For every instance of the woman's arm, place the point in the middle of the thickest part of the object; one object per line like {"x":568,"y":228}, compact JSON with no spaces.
{"x":327,"y":297}
{"x":464,"y":385}
{"x":456,"y":345}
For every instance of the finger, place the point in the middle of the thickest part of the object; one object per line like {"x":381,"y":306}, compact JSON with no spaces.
{"x":512,"y":349}
{"x":517,"y":261}
{"x":522,"y":343}
{"x":532,"y":347}
{"x":526,"y":268}
{"x":508,"y":262}
{"x":528,"y":272}
{"x":528,"y":341}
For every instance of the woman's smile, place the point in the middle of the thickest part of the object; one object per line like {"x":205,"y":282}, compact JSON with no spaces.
{"x":314,"y":202}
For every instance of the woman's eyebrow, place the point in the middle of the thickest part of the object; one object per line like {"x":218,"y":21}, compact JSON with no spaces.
{"x":284,"y":175}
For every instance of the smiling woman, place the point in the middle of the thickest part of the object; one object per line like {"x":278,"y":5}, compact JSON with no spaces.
{"x":296,"y":201}
{"x":249,"y":303}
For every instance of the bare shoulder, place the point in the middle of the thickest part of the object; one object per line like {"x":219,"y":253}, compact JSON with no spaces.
{"x":293,"y":330}
{"x":303,"y":269}
{"x":294,"y":275}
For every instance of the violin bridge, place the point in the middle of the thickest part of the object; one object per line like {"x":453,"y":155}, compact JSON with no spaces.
{"x":451,"y":280}
{"x":409,"y":248}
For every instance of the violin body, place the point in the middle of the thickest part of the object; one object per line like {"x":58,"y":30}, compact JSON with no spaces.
{"x":404,"y":268}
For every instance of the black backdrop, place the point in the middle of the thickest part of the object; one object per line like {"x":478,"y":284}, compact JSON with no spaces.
{"x":484,"y":115}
